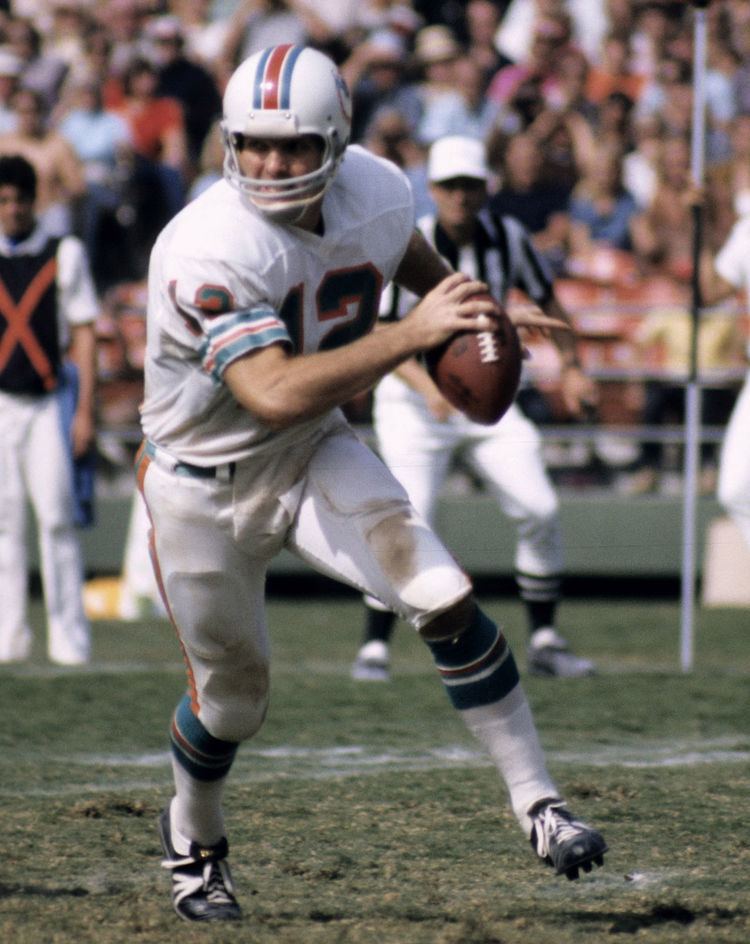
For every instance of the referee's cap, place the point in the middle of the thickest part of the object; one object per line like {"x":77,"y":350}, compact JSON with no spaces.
{"x":457,"y":156}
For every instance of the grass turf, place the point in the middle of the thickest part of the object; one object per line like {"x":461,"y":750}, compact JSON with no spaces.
{"x":365,"y":812}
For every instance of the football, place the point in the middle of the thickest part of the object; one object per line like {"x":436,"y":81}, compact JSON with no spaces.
{"x":478,"y":372}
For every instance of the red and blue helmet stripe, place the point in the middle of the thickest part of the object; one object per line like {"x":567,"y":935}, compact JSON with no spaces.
{"x":273,"y":78}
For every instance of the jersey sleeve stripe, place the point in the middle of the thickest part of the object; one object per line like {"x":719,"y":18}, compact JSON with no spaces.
{"x":237,"y":336}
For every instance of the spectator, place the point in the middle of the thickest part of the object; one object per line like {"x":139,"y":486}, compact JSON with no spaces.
{"x":41,"y":72}
{"x":389,"y":136}
{"x":256,"y":24}
{"x":671,"y":97}
{"x":469,"y":113}
{"x":160,"y":151}
{"x":663,"y":233}
{"x":524,"y":193}
{"x":587,"y":21}
{"x":102,"y":142}
{"x":376,"y":75}
{"x":185,"y":81}
{"x":522,"y":109}
{"x":482,"y":23}
{"x":551,"y":36}
{"x":205,"y":35}
{"x":730,"y":180}
{"x":92,"y":65}
{"x":64,"y":38}
{"x":641,"y":162}
{"x":614,"y":122}
{"x":60,"y":180}
{"x":614,"y":71}
{"x":123,"y":21}
{"x":436,"y":52}
{"x":10,"y":69}
{"x":601,"y":209}
{"x":650,"y":33}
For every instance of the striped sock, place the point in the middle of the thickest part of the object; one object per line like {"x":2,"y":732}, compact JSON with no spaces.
{"x":201,"y":754}
{"x":541,"y":596}
{"x":478,"y":667}
{"x":200,"y":764}
{"x":481,"y":678}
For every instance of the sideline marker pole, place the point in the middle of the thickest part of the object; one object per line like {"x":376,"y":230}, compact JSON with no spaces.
{"x":692,"y":388}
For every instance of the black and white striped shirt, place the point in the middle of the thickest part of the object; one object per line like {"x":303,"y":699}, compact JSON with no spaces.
{"x":500,"y":254}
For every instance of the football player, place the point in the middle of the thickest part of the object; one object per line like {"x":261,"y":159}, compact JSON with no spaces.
{"x":262,"y":296}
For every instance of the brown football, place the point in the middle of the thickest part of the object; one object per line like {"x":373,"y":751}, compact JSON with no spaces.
{"x":478,"y":372}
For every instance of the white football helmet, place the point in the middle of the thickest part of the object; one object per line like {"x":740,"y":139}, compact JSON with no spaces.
{"x":283,"y":92}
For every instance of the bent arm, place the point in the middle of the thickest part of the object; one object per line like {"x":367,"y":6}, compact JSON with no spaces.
{"x":282,"y":389}
{"x":421,"y":267}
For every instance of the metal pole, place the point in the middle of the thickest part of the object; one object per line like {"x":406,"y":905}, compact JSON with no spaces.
{"x":692,"y":389}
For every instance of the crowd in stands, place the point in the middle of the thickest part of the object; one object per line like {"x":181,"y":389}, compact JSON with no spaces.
{"x":585,"y":108}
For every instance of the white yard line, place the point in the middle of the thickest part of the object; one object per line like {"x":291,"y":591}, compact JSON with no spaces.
{"x":303,"y":763}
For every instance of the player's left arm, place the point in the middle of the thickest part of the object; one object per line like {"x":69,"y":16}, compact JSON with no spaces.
{"x":421,"y":267}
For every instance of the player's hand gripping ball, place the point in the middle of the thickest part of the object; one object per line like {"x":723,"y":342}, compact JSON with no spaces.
{"x":478,"y":372}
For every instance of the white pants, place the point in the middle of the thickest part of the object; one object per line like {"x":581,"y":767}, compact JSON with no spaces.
{"x":507,"y":456}
{"x":330,"y":501}
{"x":34,"y":465}
{"x":138,"y":585}
{"x":734,"y":465}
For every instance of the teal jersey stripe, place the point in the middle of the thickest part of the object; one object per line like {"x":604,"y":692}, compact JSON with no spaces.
{"x":243,"y":332}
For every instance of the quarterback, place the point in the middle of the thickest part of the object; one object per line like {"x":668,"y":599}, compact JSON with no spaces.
{"x":262,"y":296}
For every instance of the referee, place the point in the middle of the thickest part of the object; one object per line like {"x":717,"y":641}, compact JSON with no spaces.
{"x":418,"y":432}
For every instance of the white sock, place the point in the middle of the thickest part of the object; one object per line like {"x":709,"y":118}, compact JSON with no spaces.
{"x":507,"y":730}
{"x":195,"y":811}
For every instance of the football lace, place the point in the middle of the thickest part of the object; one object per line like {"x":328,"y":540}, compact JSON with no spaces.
{"x":488,"y":349}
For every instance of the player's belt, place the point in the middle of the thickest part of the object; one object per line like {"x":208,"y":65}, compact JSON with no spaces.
{"x":223,"y":472}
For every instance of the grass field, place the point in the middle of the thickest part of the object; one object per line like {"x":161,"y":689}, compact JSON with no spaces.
{"x":365,"y":813}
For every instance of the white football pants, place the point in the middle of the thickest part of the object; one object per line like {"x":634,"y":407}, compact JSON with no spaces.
{"x":330,"y":501}
{"x":506,"y":456}
{"x":34,"y":465}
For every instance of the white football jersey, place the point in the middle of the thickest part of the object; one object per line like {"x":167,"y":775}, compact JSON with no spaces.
{"x":225,"y":281}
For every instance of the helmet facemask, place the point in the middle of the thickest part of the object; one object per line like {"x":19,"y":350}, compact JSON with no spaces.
{"x":283,"y":200}
{"x":286,"y":92}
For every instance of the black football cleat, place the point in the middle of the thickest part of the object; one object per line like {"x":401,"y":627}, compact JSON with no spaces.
{"x":202,"y":888}
{"x":565,"y":843}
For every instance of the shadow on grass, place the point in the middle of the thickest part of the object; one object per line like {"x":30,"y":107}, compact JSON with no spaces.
{"x":40,"y":891}
{"x":630,"y":922}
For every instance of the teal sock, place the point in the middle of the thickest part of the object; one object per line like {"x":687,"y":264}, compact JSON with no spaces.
{"x":202,"y":755}
{"x":477,"y":668}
